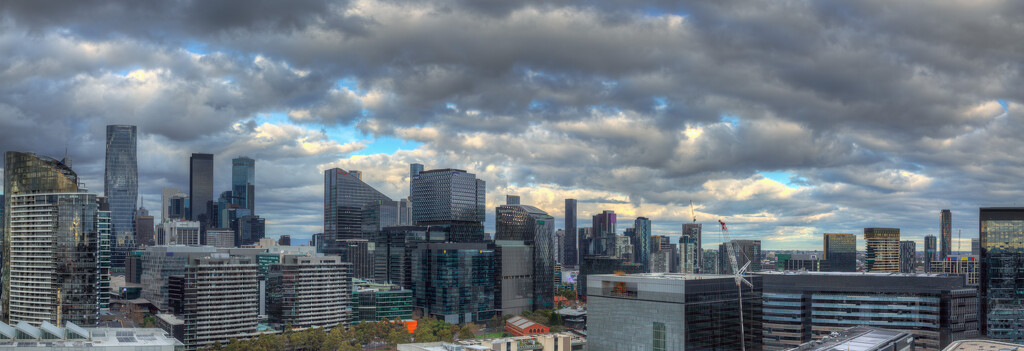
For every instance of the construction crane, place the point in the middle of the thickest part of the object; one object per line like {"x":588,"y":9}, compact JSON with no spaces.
{"x":737,"y":275}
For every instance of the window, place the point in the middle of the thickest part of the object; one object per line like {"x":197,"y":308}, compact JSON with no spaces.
{"x":659,"y":336}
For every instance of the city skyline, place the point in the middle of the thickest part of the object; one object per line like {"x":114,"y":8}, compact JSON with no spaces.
{"x":801,"y":138}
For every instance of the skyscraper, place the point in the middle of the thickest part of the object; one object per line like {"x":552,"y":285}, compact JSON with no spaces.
{"x":243,"y":183}
{"x":220,"y":299}
{"x":344,"y":199}
{"x":908,"y":256}
{"x":572,"y":237}
{"x":841,"y":252}
{"x":604,"y":233}
{"x":200,"y":188}
{"x":642,"y":246}
{"x":165,"y":199}
{"x":745,"y":251}
{"x":535,"y":228}
{"x":1001,"y":233}
{"x":451,"y":198}
{"x":694,"y":230}
{"x":882,"y":252}
{"x":929,"y":252}
{"x":414,"y":170}
{"x":58,"y":281}
{"x":121,"y":187}
{"x":946,"y":231}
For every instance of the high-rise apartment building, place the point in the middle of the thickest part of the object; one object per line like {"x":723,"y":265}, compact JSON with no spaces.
{"x":841,"y":252}
{"x":804,"y":306}
{"x":121,"y":188}
{"x":159,"y":263}
{"x":946,"y":232}
{"x":882,"y":252}
{"x":688,"y":254}
{"x":710,"y":262}
{"x":309,"y":291}
{"x":572,"y":242}
{"x":450,"y":198}
{"x":243,"y":183}
{"x":345,"y":197}
{"x":908,"y":256}
{"x":535,"y":228}
{"x":604,"y":234}
{"x":930,"y":252}
{"x":642,"y":241}
{"x":200,"y":188}
{"x":58,"y":281}
{"x":672,"y":312}
{"x":221,"y":300}
{"x":1001,"y":233}
{"x":105,"y":235}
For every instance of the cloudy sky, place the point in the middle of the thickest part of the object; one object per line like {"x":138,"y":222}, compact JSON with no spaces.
{"x":785,"y":119}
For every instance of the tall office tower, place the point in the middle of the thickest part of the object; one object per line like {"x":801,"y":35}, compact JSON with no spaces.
{"x":104,"y":233}
{"x":243,"y":183}
{"x":450,"y":198}
{"x":59,"y":281}
{"x":178,"y":207}
{"x":694,"y":230}
{"x":284,"y":240}
{"x":604,"y":233}
{"x":121,"y":187}
{"x":535,"y":228}
{"x":200,"y":187}
{"x":642,"y":246}
{"x":946,"y":231}
{"x":165,"y":200}
{"x":975,"y":247}
{"x":221,"y":300}
{"x":908,"y":256}
{"x":572,"y":243}
{"x":453,"y":282}
{"x":404,"y":212}
{"x":251,"y":229}
{"x":309,"y":291}
{"x":414,"y":170}
{"x":144,"y":230}
{"x":1001,"y":233}
{"x":392,"y":246}
{"x":688,"y":253}
{"x":514,"y":283}
{"x":841,"y":252}
{"x":882,"y":252}
{"x":560,"y":238}
{"x":585,"y":243}
{"x":930,"y":253}
{"x":344,"y":198}
{"x":710,"y":262}
{"x":673,"y":312}
{"x":807,"y":306}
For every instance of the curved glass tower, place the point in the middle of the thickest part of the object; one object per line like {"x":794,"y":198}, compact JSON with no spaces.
{"x":121,"y":187}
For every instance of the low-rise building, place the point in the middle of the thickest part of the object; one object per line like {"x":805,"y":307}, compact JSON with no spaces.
{"x":25,"y":337}
{"x":375,"y":302}
{"x":861,"y":339}
{"x":521,"y":326}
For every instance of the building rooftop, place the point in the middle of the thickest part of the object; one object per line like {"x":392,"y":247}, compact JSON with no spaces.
{"x":839,"y":274}
{"x":522,"y":323}
{"x":666,"y":276}
{"x":982,"y":345}
{"x":854,"y":339}
{"x":49,"y":336}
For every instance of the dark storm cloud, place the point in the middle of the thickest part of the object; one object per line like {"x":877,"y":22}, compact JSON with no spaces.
{"x":882,"y":112}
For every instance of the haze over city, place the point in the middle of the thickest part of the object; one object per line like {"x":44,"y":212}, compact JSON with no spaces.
{"x":784,"y":119}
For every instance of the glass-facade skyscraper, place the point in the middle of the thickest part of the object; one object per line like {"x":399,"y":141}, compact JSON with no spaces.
{"x":642,"y":244}
{"x":946,"y":231}
{"x":535,"y":228}
{"x":882,"y":252}
{"x":243,"y":183}
{"x":58,"y":281}
{"x":1001,"y":233}
{"x":603,"y":225}
{"x":930,"y":252}
{"x":200,"y":188}
{"x":121,"y":187}
{"x":908,"y":256}
{"x":347,"y":201}
{"x":451,"y":198}
{"x":841,"y":252}
{"x":572,"y":236}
